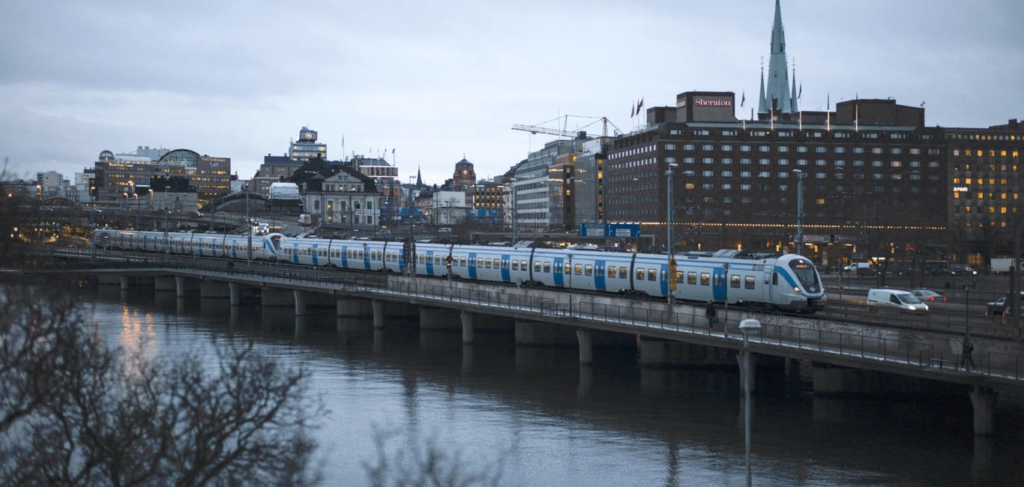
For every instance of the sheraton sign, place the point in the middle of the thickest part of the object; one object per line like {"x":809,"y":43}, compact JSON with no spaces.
{"x":706,"y":102}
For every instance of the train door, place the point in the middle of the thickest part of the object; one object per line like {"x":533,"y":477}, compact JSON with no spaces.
{"x":472,"y":265}
{"x":769,"y":286}
{"x":599,"y":275}
{"x":506,"y":275}
{"x":560,"y":279}
{"x":718,"y":284}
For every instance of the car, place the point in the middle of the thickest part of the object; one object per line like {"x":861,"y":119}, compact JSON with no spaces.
{"x":938,"y":271}
{"x":895,"y":298}
{"x":998,"y":307}
{"x":928,"y":296}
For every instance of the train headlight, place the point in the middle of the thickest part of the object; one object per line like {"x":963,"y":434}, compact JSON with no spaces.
{"x":796,"y":289}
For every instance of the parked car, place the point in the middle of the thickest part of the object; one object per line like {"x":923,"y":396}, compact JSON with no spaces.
{"x":928,"y":296}
{"x":895,"y":298}
{"x":860,"y":269}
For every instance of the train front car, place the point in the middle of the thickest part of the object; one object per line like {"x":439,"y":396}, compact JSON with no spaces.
{"x":799,"y":287}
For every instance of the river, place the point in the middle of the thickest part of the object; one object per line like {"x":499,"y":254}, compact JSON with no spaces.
{"x":548,"y":421}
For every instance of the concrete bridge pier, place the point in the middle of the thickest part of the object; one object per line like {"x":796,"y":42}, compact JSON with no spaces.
{"x":586,"y":382}
{"x":184,"y":285}
{"x":300,"y":304}
{"x":467,"y":359}
{"x":437,"y":319}
{"x":214,"y":290}
{"x":743,"y":371}
{"x":125,"y":283}
{"x":353,"y":307}
{"x":671,"y":354}
{"x":585,"y":338}
{"x":163,"y":284}
{"x":984,"y":401}
{"x":378,"y":315}
{"x":272,"y":297}
{"x":467,"y":327}
{"x":234,"y":292}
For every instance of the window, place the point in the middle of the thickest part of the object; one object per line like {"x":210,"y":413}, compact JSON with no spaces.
{"x":705,"y":279}
{"x":567,"y":270}
{"x":783,"y":148}
{"x":523,"y":265}
{"x":497,"y":263}
{"x":640,"y":274}
{"x":611,"y":272}
{"x":462,"y":263}
{"x":707,"y":147}
{"x":536,"y":266}
{"x":734,"y":281}
{"x":652,"y":275}
{"x":744,"y":148}
{"x":547,"y":267}
{"x":691,"y":278}
{"x":623,"y":272}
{"x":579,"y":269}
{"x":748,"y":282}
{"x":672,"y":147}
{"x":588,"y":270}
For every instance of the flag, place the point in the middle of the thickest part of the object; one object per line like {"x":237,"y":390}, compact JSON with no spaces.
{"x":744,"y":99}
{"x":801,"y":94}
{"x":632,"y":111}
{"x":641,"y":105}
{"x":392,"y":151}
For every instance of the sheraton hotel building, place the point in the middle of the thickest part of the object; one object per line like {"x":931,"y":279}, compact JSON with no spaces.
{"x":875,"y":181}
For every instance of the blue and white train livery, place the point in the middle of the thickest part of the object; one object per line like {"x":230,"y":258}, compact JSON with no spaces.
{"x":787,"y":282}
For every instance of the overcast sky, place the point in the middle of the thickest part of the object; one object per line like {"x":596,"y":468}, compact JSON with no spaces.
{"x":435,"y":80}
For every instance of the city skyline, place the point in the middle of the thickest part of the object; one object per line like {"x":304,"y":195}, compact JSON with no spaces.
{"x":239,"y":83}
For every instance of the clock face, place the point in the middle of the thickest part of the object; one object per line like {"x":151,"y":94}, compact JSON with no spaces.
{"x":465,"y":172}
{"x":309,"y":135}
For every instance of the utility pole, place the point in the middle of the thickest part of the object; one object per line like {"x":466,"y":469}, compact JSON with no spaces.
{"x":799,"y":212}
{"x":669,"y":237}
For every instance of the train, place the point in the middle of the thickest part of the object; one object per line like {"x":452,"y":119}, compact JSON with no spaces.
{"x":787,"y":282}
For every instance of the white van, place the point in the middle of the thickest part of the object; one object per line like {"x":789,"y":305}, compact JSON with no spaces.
{"x":895,"y":298}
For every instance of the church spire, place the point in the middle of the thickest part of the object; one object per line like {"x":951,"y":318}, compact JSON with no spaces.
{"x":793,"y":98}
{"x":777,"y":96}
{"x":762,"y":105}
{"x":419,"y":178}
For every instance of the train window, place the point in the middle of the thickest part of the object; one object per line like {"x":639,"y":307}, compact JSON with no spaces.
{"x":588,"y":270}
{"x":536,"y":266}
{"x":568,"y":269}
{"x":623,"y":272}
{"x":679,"y":277}
{"x":639,"y":274}
{"x":497,"y":263}
{"x":463,"y":260}
{"x":775,"y":278}
{"x":691,"y":278}
{"x":611,"y":272}
{"x":547,"y":267}
{"x":734,"y":281}
{"x":705,"y":278}
{"x":437,"y":260}
{"x":422,"y":258}
{"x":515,"y":265}
{"x":487,"y":263}
{"x":479,"y":263}
{"x":652,"y":275}
{"x":748,"y":282}
{"x":523,"y":266}
{"x":579,"y":269}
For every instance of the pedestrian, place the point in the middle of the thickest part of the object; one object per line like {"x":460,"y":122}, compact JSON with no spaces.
{"x":966,"y":350}
{"x":711,"y":315}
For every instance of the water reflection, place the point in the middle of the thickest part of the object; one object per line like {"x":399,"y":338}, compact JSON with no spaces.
{"x":558,"y":423}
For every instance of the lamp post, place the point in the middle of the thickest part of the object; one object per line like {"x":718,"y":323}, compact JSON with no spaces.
{"x":668,"y":235}
{"x":799,"y":240}
{"x":515,"y":216}
{"x":248,"y":222}
{"x":138,"y":210}
{"x":747,"y":327}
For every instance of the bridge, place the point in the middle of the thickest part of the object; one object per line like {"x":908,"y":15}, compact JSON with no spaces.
{"x":851,"y":356}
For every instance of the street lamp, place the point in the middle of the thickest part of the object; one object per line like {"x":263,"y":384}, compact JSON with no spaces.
{"x":515,"y":216}
{"x":747,"y":327}
{"x":668,"y":235}
{"x":799,"y":211}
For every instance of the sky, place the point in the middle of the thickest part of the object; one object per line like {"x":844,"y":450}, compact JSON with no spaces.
{"x":436,"y":81}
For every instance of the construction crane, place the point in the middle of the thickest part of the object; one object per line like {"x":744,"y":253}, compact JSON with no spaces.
{"x":538,"y":129}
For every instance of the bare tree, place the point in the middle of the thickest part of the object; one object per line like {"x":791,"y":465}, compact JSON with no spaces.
{"x":77,"y":412}
{"x":426,"y":466}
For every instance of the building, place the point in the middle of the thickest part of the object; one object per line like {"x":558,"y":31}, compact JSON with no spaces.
{"x":385,"y":177}
{"x":448,"y":207}
{"x":342,"y":197}
{"x":532,"y":197}
{"x":153,"y":154}
{"x":588,"y":180}
{"x":560,"y":195}
{"x":464,"y":175}
{"x":306,"y":147}
{"x":116,"y":177}
{"x":487,"y":202}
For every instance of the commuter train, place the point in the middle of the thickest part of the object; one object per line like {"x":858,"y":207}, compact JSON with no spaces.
{"x":788,"y":282}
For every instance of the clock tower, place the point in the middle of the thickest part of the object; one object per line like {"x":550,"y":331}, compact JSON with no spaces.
{"x":464,"y":175}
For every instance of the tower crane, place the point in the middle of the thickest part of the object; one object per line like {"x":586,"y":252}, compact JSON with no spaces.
{"x":538,"y":129}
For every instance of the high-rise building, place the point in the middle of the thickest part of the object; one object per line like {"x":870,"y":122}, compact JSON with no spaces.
{"x":588,"y":180}
{"x":535,"y":209}
{"x":306,"y":147}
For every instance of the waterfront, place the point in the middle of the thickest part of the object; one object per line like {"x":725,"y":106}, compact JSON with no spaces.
{"x":550,"y":422}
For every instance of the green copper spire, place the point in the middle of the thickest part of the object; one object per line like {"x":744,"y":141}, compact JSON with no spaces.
{"x":777,"y":97}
